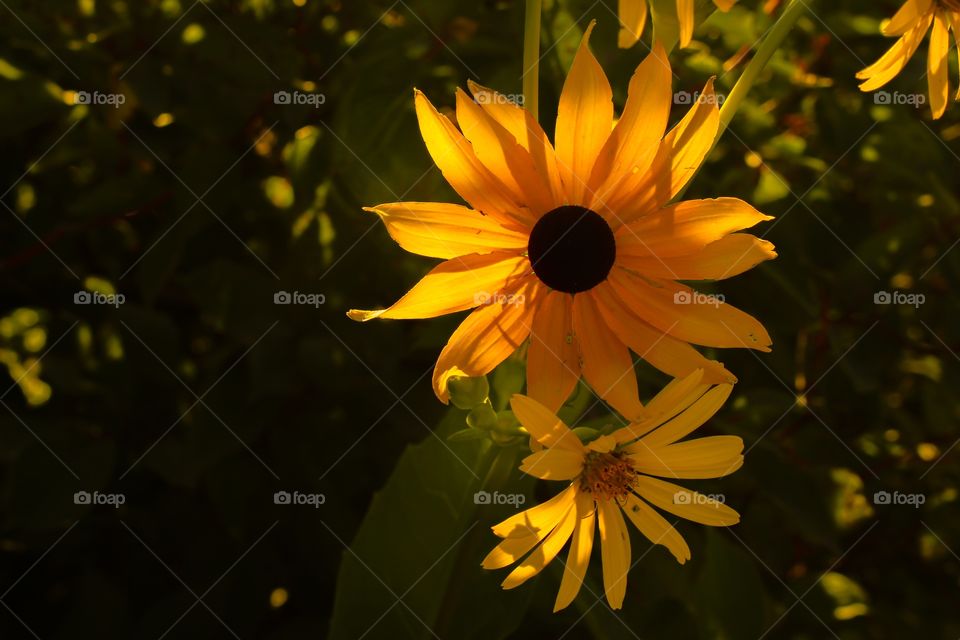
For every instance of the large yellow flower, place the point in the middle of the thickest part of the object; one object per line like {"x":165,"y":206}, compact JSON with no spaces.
{"x":577,"y":248}
{"x":615,"y":475}
{"x":911,"y":23}
{"x":633,"y":18}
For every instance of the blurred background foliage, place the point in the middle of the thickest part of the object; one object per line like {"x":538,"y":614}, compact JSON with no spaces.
{"x":199,"y":198}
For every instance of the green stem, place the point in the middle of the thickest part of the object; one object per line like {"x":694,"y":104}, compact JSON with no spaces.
{"x":531,"y":56}
{"x":770,"y":44}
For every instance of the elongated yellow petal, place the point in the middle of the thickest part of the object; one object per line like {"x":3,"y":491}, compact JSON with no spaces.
{"x":553,"y":357}
{"x":693,"y":418}
{"x":460,"y":166}
{"x":906,"y":17}
{"x":655,"y":528}
{"x":614,"y":552}
{"x":710,"y":457}
{"x":488,"y":336}
{"x":455,"y":285}
{"x":439,"y":230}
{"x":544,"y":554}
{"x":895,"y":59}
{"x":633,"y":17}
{"x":681,"y":153}
{"x":686,"y":504}
{"x":724,"y":5}
{"x":578,"y":557}
{"x":674,"y":357}
{"x":544,"y":425}
{"x":527,"y":132}
{"x":687,"y":315}
{"x":684,"y":228}
{"x":636,"y":137}
{"x":515,"y":547}
{"x":541,"y":518}
{"x":500,"y":152}
{"x":553,"y":464}
{"x":937,"y":76}
{"x":584,"y":120}
{"x":725,"y":258}
{"x":687,"y":18}
{"x":674,"y":398}
{"x":607,"y":365}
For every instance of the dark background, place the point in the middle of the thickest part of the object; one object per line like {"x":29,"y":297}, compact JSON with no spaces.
{"x":196,"y":399}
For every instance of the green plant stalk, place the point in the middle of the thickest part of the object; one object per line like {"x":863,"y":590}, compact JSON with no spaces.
{"x":531,"y":56}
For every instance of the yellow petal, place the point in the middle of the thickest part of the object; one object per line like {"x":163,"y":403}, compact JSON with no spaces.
{"x":584,"y":120}
{"x":686,"y":504}
{"x":553,"y":464}
{"x":544,"y":554}
{"x":636,"y":137}
{"x":607,"y":365}
{"x":937,"y":78}
{"x":488,"y":336}
{"x":724,"y":5}
{"x":547,"y":428}
{"x":895,"y":59}
{"x":686,"y":16}
{"x":655,"y":528}
{"x":455,"y":285}
{"x":460,"y":166}
{"x":685,"y":228}
{"x":553,"y":360}
{"x":674,"y":357}
{"x":578,"y":557}
{"x":725,"y":258}
{"x":527,"y":132}
{"x":693,"y":418}
{"x":439,"y":230}
{"x":499,"y":152}
{"x":688,"y":315}
{"x":710,"y":457}
{"x":674,"y":398}
{"x":614,"y":552}
{"x":681,"y":153}
{"x":906,"y":17}
{"x":539,"y":519}
{"x":513,"y":548}
{"x":633,"y":17}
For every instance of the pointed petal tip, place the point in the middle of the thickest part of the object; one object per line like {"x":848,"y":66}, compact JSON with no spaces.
{"x":362,"y":315}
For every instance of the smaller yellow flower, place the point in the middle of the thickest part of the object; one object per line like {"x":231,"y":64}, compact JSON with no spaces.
{"x":615,"y":475}
{"x":911,"y":23}
{"x":633,"y":18}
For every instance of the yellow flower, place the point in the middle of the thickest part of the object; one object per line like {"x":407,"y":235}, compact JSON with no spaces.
{"x":577,"y":248}
{"x":633,"y":17}
{"x":911,"y":23}
{"x":615,"y":475}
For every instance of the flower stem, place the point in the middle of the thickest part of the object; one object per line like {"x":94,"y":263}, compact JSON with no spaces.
{"x":771,"y":43}
{"x":531,"y":56}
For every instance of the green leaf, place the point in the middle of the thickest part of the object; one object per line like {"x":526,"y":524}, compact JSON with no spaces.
{"x":422,"y":541}
{"x":730,"y":590}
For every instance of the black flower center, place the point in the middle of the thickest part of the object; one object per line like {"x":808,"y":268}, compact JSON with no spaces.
{"x":572,"y":249}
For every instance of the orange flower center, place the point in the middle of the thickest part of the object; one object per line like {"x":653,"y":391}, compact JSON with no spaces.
{"x":572,"y":249}
{"x":607,"y":475}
